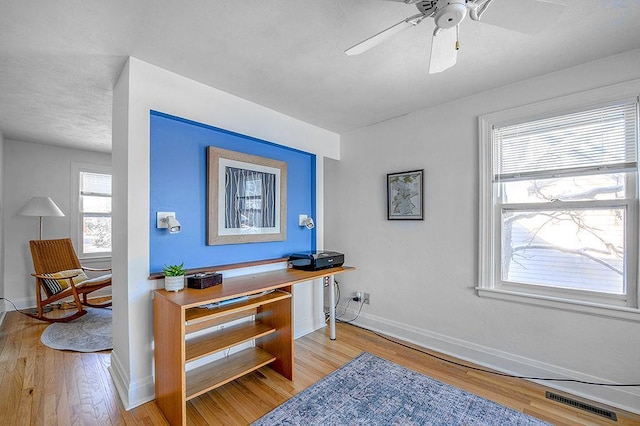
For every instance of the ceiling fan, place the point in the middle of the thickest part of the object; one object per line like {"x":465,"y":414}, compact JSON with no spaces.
{"x":527,"y":16}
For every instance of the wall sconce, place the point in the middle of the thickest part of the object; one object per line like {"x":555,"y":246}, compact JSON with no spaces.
{"x":168,"y":220}
{"x":304,"y":220}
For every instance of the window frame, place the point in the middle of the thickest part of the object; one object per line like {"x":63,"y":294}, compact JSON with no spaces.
{"x":490,"y":223}
{"x":77,"y":223}
{"x":626,"y":299}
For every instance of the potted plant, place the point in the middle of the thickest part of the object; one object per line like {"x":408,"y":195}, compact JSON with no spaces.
{"x":174,"y":277}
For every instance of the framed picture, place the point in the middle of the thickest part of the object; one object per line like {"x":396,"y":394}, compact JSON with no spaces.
{"x":405,"y":195}
{"x":246,"y":198}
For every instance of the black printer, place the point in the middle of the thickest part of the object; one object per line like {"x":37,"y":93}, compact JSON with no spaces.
{"x":317,"y":259}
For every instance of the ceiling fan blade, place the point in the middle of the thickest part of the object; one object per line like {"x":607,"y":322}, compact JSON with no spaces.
{"x":524,"y":16}
{"x":375,"y":40}
{"x":443,"y":51}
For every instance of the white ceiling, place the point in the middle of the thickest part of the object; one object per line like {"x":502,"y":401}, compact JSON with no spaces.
{"x":60,"y":59}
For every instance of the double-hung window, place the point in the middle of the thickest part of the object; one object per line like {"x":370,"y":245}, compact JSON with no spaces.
{"x":94,"y":205}
{"x":559,"y":206}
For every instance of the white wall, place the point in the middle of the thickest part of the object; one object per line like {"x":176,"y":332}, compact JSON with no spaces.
{"x":421,"y":275}
{"x":140,"y":88}
{"x":30,"y":170}
{"x":2,"y":178}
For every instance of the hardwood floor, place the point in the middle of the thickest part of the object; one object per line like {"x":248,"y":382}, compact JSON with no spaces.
{"x":42,"y":386}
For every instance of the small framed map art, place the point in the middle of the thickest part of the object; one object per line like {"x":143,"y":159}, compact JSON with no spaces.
{"x":405,"y":195}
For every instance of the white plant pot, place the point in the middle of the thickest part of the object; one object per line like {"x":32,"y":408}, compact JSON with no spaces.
{"x":174,"y":283}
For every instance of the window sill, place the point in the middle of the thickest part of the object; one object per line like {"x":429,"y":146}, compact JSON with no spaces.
{"x":95,"y":259}
{"x":589,"y":308}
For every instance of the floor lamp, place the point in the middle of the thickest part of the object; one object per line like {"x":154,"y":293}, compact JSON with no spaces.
{"x":41,"y":207}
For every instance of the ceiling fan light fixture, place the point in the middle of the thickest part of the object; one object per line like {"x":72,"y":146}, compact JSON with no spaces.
{"x":525,"y":16}
{"x":450,"y":14}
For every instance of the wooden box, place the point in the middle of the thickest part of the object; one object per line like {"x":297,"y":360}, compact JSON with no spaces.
{"x":201,"y":281}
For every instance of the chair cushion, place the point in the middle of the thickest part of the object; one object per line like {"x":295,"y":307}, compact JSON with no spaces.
{"x":95,"y":281}
{"x":57,"y":283}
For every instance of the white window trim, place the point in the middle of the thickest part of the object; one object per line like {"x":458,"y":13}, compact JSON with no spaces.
{"x":76,"y":168}
{"x":487,"y":224}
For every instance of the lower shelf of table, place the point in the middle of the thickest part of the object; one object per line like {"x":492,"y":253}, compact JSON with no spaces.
{"x":210,"y":376}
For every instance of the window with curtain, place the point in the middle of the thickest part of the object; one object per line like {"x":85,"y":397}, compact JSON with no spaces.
{"x":561,"y":206}
{"x":95,"y":214}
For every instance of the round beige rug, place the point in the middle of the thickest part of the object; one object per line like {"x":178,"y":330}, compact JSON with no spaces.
{"x":89,"y":333}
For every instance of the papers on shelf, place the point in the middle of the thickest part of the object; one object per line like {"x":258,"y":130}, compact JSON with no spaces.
{"x":223,"y":302}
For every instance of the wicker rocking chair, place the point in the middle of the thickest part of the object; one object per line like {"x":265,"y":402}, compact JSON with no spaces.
{"x":59,"y":274}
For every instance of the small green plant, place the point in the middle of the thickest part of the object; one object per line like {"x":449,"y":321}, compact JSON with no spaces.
{"x":174,"y":270}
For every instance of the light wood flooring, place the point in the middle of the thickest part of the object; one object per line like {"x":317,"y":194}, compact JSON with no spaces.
{"x":42,"y":386}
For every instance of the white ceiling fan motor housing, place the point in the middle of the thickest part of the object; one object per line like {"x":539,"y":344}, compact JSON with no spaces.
{"x":450,"y":13}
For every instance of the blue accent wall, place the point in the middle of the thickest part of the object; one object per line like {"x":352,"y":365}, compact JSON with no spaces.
{"x":178,"y":183}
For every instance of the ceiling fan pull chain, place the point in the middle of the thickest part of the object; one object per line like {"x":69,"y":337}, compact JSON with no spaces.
{"x":458,"y":37}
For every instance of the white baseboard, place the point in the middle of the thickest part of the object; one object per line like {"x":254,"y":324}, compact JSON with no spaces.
{"x":21,"y":303}
{"x":624,"y":398}
{"x":304,"y":326}
{"x":131,"y":394}
{"x":30,"y":302}
{"x":120,"y":379}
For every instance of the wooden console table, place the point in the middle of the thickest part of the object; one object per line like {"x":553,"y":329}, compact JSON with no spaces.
{"x":179,"y":314}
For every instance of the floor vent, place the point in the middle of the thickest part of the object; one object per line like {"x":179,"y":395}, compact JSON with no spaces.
{"x":581,"y":405}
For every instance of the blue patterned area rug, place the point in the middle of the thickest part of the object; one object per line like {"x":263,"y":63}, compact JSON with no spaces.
{"x":373,"y":391}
